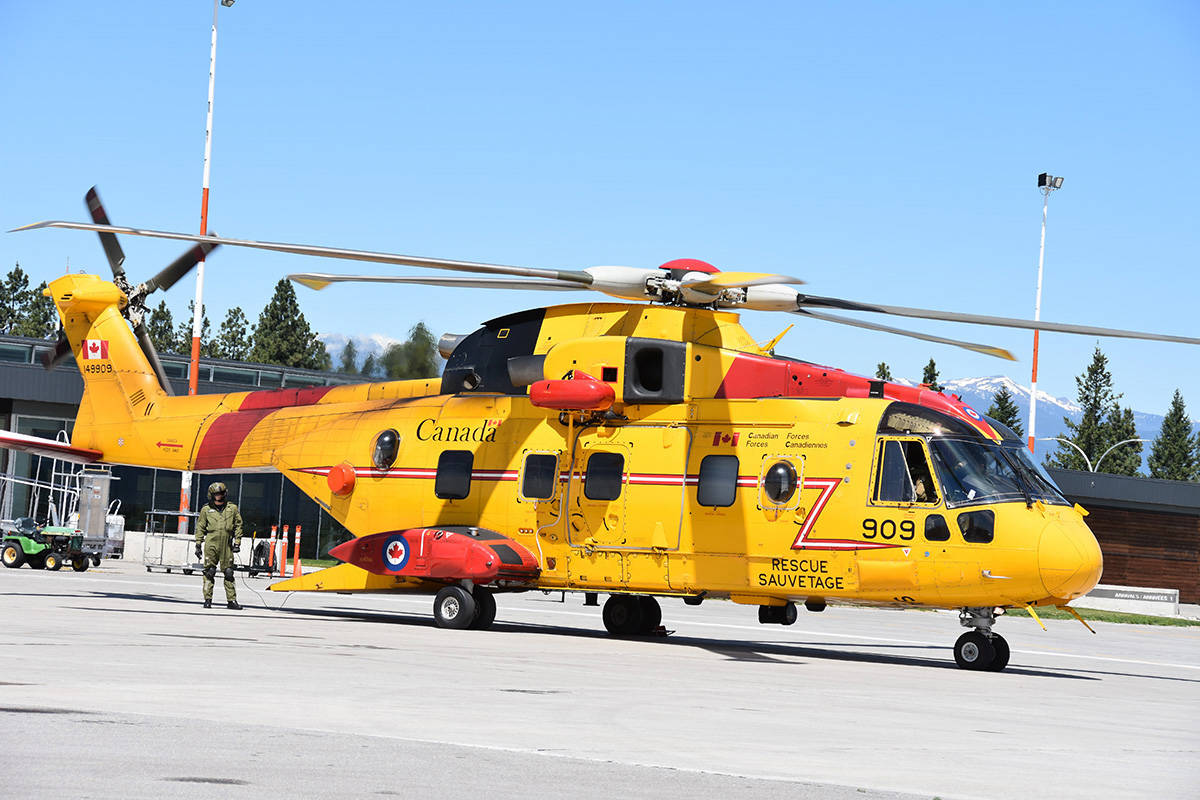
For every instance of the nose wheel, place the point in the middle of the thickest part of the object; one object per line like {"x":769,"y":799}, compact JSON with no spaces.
{"x":980,"y":648}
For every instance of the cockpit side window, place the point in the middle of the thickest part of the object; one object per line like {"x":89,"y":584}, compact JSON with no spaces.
{"x":902,"y":473}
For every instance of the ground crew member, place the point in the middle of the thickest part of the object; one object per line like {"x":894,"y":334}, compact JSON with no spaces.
{"x":218,"y":537}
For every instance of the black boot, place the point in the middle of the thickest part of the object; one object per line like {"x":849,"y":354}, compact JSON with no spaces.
{"x":208,"y":603}
{"x":232,"y":605}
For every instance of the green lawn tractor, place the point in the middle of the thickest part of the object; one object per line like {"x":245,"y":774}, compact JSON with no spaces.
{"x":45,"y":547}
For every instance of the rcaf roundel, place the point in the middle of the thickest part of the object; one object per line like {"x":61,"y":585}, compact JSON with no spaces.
{"x":395,"y":553}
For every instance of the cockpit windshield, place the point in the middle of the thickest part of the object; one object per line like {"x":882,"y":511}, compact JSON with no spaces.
{"x":970,"y":468}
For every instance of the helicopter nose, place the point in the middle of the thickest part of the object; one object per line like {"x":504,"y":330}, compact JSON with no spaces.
{"x":1069,"y":559}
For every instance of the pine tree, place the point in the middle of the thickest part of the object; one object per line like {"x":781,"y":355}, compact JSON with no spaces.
{"x":930,"y":376}
{"x":161,"y":327}
{"x":14,"y":298}
{"x":1173,"y":455}
{"x":882,"y":372}
{"x":283,"y":336}
{"x":349,"y":363}
{"x":1127,"y":458}
{"x":369,"y":367}
{"x":183,"y":334}
{"x":415,"y":358}
{"x":40,"y":319}
{"x":233,"y":340}
{"x":1093,"y":433}
{"x":1004,"y":409}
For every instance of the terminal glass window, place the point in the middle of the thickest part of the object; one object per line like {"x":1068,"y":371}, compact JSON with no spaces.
{"x":718,"y":481}
{"x":604,"y":476}
{"x":453,"y":481}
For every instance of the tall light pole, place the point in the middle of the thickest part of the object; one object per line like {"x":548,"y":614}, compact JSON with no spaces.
{"x":1047,"y":183}
{"x":185,"y":484}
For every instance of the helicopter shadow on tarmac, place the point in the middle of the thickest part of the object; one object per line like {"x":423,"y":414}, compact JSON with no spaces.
{"x":735,"y":650}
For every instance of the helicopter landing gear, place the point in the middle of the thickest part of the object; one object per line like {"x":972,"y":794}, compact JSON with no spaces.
{"x":980,"y":648}
{"x":631,"y":615}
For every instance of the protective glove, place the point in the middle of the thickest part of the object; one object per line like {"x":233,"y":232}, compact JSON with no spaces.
{"x":199,"y":552}
{"x":237,"y":547}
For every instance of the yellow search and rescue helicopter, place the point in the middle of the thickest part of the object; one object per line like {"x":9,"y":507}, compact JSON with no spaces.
{"x":639,"y":450}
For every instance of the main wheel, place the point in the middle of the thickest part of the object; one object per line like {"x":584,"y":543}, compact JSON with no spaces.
{"x":651,"y":614}
{"x":485,"y":609}
{"x":454,"y":607}
{"x":973,"y":650}
{"x":12,"y":555}
{"x":623,"y":614}
{"x":1002,"y":653}
{"x":79,"y":564}
{"x":53,"y":562}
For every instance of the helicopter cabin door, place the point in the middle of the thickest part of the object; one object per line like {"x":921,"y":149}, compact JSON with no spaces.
{"x":626,"y":492}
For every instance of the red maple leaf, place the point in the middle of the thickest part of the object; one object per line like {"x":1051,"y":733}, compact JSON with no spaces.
{"x":395,"y":551}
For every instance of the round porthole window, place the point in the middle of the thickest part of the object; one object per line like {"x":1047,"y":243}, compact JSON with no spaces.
{"x":779,"y":484}
{"x":387,"y":445}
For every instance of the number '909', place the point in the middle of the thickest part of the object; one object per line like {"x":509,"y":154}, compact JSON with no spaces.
{"x":888,"y":529}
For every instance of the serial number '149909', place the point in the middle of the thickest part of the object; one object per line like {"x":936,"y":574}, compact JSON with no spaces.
{"x":106,"y":367}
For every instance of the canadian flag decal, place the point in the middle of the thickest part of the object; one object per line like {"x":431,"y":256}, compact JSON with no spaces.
{"x":720,"y":438}
{"x":95,"y":348}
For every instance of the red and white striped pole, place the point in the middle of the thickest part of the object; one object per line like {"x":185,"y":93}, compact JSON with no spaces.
{"x":296,"y":555}
{"x":185,"y":482}
{"x":283,"y":554}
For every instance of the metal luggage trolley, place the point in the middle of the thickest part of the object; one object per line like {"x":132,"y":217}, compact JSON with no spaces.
{"x":169,"y":551}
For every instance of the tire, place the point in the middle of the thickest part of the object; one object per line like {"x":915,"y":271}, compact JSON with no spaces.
{"x":185,"y":572}
{"x":1002,"y":653}
{"x":485,"y":609}
{"x":651,"y":614}
{"x":454,"y":608}
{"x":38,"y":561}
{"x":95,"y":561}
{"x":53,"y":562}
{"x":974,"y":651}
{"x":12,"y":555}
{"x":80,"y":564}
{"x":623,"y":615}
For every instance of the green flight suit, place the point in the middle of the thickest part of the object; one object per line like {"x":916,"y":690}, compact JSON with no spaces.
{"x":217,"y":529}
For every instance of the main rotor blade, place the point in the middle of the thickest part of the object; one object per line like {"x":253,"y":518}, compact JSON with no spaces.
{"x":980,"y":319}
{"x":151,"y":354}
{"x":737,"y":280}
{"x":167,"y":277}
{"x":986,"y":349}
{"x":319,"y":280}
{"x":62,"y":349}
{"x":573,"y":276}
{"x":112,"y":248}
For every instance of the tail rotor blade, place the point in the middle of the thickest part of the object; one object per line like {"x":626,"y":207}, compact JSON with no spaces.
{"x":108,"y":240}
{"x":151,"y":354}
{"x":181,"y":266}
{"x":52,"y":358}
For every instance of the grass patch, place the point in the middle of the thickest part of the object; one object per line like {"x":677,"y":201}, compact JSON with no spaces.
{"x":1094,"y":615}
{"x":319,"y":562}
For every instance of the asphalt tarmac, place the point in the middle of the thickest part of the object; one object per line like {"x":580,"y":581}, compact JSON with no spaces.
{"x":116,"y":683}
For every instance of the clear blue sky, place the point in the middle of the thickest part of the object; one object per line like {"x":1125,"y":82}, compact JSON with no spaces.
{"x":884,"y":152}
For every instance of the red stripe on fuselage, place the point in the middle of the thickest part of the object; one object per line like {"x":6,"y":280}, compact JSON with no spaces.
{"x":283,"y":398}
{"x":225,"y":436}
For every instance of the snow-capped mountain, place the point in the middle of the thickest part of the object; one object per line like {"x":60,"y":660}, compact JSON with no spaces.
{"x":978,"y":393}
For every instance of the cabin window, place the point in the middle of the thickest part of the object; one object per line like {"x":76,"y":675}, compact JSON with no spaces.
{"x":718,"y":481}
{"x":936,"y":529}
{"x":903,"y":474}
{"x":977,"y":526}
{"x":453,"y":481}
{"x":540,"y":477}
{"x":387,"y":445}
{"x":604,"y":476}
{"x":780,"y":482}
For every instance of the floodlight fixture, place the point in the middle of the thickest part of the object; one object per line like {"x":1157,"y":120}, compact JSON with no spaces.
{"x":228,"y":3}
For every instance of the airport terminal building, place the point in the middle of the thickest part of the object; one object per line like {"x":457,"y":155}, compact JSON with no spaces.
{"x":1149,"y":530}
